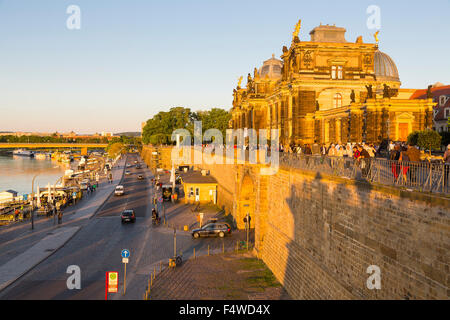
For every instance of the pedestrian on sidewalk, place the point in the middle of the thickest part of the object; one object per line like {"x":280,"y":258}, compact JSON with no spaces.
{"x":60,"y":217}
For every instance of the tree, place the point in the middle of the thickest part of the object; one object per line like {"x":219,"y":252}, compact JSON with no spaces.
{"x":115,"y":149}
{"x":429,"y":139}
{"x":214,"y":119}
{"x":165,"y":123}
{"x":413,"y":138}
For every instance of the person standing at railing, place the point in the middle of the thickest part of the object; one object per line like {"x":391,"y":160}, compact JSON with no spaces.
{"x":446,"y":166}
{"x":364,"y":158}
{"x":395,"y":156}
{"x":414,"y":156}
{"x":315,"y":148}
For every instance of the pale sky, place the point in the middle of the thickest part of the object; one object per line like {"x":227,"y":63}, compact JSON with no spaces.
{"x":131,"y":59}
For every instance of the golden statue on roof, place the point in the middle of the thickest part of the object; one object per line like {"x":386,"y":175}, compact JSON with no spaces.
{"x":239,"y":81}
{"x":376,"y":36}
{"x":297,"y":29}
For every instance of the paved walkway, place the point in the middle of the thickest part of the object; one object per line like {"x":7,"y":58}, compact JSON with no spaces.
{"x":218,"y":277}
{"x":22,"y":248}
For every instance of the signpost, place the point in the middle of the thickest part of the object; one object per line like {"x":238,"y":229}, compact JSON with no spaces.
{"x":112,"y":283}
{"x":125,"y":255}
{"x":247,"y":220}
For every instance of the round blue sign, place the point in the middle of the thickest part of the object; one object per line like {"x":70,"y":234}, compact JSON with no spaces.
{"x":125,"y":253}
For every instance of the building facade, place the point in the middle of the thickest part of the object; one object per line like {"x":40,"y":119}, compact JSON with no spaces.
{"x":328,"y":90}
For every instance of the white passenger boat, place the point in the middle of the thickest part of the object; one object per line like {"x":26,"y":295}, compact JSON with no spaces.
{"x":23,"y":153}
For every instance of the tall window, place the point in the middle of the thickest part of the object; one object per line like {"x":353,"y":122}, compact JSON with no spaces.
{"x":337,"y":100}
{"x":337,"y":72}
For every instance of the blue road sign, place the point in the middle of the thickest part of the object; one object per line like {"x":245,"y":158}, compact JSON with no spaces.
{"x":125,"y":253}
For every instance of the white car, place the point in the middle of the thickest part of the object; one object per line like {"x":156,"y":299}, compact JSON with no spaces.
{"x":119,"y":190}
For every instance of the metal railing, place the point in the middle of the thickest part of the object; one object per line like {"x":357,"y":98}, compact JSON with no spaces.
{"x":421,"y":176}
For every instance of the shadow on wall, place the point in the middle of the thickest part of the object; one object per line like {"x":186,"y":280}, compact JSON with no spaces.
{"x":341,"y":229}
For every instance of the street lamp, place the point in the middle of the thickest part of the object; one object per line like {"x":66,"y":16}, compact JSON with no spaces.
{"x":32,"y":200}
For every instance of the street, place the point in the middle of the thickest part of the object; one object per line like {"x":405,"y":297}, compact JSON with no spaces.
{"x":96,"y":249}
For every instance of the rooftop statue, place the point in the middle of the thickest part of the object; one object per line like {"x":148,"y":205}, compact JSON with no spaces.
{"x":352,"y":96}
{"x":386,"y":91}
{"x":297,"y":29}
{"x":239,"y":81}
{"x":376,"y":36}
{"x":429,"y":94}
{"x":369,"y":92}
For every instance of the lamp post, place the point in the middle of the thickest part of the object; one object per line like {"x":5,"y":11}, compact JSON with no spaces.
{"x":32,"y":200}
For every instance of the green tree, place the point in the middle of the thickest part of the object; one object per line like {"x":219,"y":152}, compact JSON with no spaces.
{"x":429,"y":139}
{"x":115,"y":149}
{"x":413,"y":137}
{"x":164,"y":123}
{"x":214,"y":119}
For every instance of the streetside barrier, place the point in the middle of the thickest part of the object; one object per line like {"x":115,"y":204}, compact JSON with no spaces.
{"x":421,"y":176}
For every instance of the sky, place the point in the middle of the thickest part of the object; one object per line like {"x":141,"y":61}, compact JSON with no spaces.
{"x":131,"y":59}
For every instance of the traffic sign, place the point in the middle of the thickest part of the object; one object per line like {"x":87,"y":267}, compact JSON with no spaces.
{"x":112,"y":281}
{"x":124,"y":260}
{"x":125,"y":253}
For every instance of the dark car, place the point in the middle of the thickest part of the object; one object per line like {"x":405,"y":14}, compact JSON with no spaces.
{"x":140,"y":177}
{"x":212,"y":230}
{"x":138,"y":166}
{"x":128,"y":216}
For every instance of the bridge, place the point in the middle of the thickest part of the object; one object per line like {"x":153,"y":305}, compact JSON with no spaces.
{"x":17,"y":145}
{"x":82,"y":146}
{"x":323,"y":231}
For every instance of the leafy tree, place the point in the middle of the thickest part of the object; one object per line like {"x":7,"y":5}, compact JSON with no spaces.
{"x":159,"y":129}
{"x":429,"y":139}
{"x":215,"y":119}
{"x":115,"y":149}
{"x":413,"y":138}
{"x":164,"y":123}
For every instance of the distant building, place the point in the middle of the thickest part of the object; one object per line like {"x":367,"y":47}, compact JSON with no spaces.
{"x":441,"y":110}
{"x":7,"y":195}
{"x":199,"y":187}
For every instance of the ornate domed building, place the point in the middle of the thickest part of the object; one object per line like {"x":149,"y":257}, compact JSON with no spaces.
{"x":329,"y":90}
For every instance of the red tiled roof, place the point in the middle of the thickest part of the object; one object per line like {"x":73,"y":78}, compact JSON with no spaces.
{"x":436,"y":92}
{"x":440,"y":115}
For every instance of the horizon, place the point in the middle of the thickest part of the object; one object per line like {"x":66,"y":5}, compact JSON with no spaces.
{"x":129,"y":61}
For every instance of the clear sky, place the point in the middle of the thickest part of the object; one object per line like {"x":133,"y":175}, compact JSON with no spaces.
{"x":132,"y":59}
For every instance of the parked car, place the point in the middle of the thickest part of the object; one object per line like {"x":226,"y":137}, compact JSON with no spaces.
{"x":119,"y":191}
{"x":140,"y":177}
{"x":128,"y":216}
{"x":212,"y":230}
{"x":83,"y":186}
{"x":127,"y":172}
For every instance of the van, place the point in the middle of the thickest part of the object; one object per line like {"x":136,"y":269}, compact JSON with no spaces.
{"x":119,"y":190}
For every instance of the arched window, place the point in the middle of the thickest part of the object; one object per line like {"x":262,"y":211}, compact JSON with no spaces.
{"x":337,"y":100}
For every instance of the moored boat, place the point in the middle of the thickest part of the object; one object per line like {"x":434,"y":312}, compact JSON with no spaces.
{"x":23,"y":153}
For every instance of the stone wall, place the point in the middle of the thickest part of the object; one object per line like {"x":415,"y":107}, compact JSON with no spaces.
{"x":323,"y":233}
{"x":319,"y":234}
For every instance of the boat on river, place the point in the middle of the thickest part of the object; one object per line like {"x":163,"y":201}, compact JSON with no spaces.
{"x":23,"y":153}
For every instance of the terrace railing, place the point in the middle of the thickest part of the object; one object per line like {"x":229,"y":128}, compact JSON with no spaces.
{"x":421,"y":176}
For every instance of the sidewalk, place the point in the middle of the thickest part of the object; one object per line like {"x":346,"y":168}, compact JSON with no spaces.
{"x":218,"y":277}
{"x":22,"y":248}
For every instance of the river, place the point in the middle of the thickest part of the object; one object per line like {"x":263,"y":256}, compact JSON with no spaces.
{"x":16,"y":173}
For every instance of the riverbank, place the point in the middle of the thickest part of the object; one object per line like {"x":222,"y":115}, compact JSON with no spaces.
{"x":18,"y":241}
